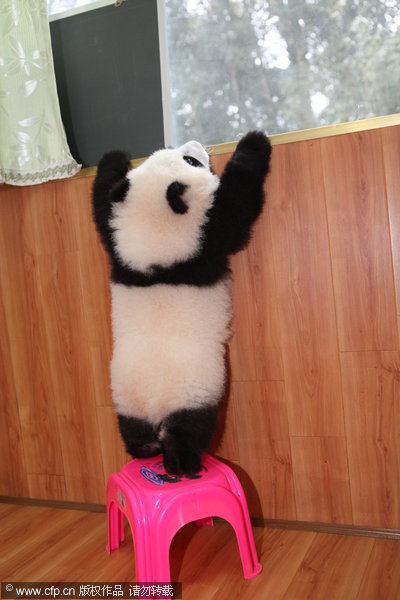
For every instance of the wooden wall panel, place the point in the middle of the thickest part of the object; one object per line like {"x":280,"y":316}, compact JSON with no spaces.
{"x":255,"y":353}
{"x":264,"y":445}
{"x":355,"y":187}
{"x":97,"y":306}
{"x":300,"y":245}
{"x":391,"y":158}
{"x":371,"y":385}
{"x":47,"y":487}
{"x":71,"y":376}
{"x":321,"y":479}
{"x":311,"y":418}
{"x":23,"y":303}
{"x":255,"y":346}
{"x":13,"y":479}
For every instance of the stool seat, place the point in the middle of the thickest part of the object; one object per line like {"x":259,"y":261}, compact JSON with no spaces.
{"x":157,"y":505}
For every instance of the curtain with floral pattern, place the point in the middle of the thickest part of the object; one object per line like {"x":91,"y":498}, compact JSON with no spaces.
{"x":33,"y":145}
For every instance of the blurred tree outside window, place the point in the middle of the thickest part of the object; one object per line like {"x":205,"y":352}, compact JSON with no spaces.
{"x":279,"y":65}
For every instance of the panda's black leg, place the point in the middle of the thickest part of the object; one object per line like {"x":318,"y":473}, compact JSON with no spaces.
{"x":185,"y":436}
{"x":140,"y":437}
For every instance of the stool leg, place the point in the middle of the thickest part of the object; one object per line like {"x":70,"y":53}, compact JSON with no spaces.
{"x":151,"y":555}
{"x":115,"y":527}
{"x":121,"y":526}
{"x":244,"y":534}
{"x":241,"y":524}
{"x":247,"y":548}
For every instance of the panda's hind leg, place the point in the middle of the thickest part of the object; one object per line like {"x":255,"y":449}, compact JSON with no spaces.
{"x":140,"y":437}
{"x":185,"y":435}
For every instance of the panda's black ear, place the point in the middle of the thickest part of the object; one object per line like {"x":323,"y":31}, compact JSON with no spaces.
{"x":119,"y":190}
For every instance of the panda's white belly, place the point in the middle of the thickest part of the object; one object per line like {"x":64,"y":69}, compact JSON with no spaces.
{"x":169,"y":347}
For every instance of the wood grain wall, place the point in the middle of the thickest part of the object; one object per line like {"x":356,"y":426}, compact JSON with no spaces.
{"x":312,"y":419}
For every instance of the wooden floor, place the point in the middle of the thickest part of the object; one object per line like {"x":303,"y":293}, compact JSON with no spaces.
{"x":51,"y":544}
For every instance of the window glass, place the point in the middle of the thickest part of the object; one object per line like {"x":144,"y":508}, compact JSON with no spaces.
{"x":280,"y":65}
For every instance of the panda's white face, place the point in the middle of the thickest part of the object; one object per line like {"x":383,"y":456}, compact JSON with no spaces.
{"x":160,"y":221}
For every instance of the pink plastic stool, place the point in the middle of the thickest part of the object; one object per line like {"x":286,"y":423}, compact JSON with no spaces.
{"x":157,"y":506}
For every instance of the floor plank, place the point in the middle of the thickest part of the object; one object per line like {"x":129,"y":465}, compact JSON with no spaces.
{"x":46,"y":544}
{"x":332,"y":568}
{"x":382,"y":576}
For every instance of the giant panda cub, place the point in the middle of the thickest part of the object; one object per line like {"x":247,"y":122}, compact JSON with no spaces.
{"x":169,"y":227}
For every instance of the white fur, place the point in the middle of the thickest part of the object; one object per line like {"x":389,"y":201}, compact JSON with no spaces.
{"x":169,"y":348}
{"x":147,"y":231}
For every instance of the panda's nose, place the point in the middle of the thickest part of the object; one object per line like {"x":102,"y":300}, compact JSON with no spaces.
{"x":175,"y":192}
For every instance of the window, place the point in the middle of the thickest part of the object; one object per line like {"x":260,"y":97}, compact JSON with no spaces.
{"x":281,"y":65}
{"x":225,"y":67}
{"x":65,"y":8}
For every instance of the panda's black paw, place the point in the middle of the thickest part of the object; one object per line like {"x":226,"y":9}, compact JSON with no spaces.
{"x":179,"y":459}
{"x":140,"y":437}
{"x":145,"y":450}
{"x":116,"y":163}
{"x":255,"y":141}
{"x":185,"y":436}
{"x":254,"y":150}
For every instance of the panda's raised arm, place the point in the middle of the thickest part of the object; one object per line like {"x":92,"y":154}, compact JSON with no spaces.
{"x":240,"y":196}
{"x":110,"y":185}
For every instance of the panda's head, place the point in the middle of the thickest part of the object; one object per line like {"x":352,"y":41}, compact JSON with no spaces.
{"x":160,"y":209}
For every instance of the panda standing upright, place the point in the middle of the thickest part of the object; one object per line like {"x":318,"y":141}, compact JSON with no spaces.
{"x":169,"y":227}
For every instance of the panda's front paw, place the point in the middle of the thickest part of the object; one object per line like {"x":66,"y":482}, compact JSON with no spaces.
{"x":255,"y":141}
{"x":116,"y":163}
{"x":255,"y":147}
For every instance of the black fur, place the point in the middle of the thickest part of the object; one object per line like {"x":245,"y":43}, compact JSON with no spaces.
{"x":185,"y":434}
{"x":140,"y":437}
{"x":111,"y":171}
{"x":119,"y":190}
{"x":175,"y":192}
{"x":182,"y":438}
{"x":240,"y":196}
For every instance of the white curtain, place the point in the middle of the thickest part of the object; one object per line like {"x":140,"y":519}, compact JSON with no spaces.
{"x":33,"y":145}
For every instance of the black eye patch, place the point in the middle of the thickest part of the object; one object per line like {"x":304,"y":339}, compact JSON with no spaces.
{"x":175,"y":192}
{"x":193,"y":161}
